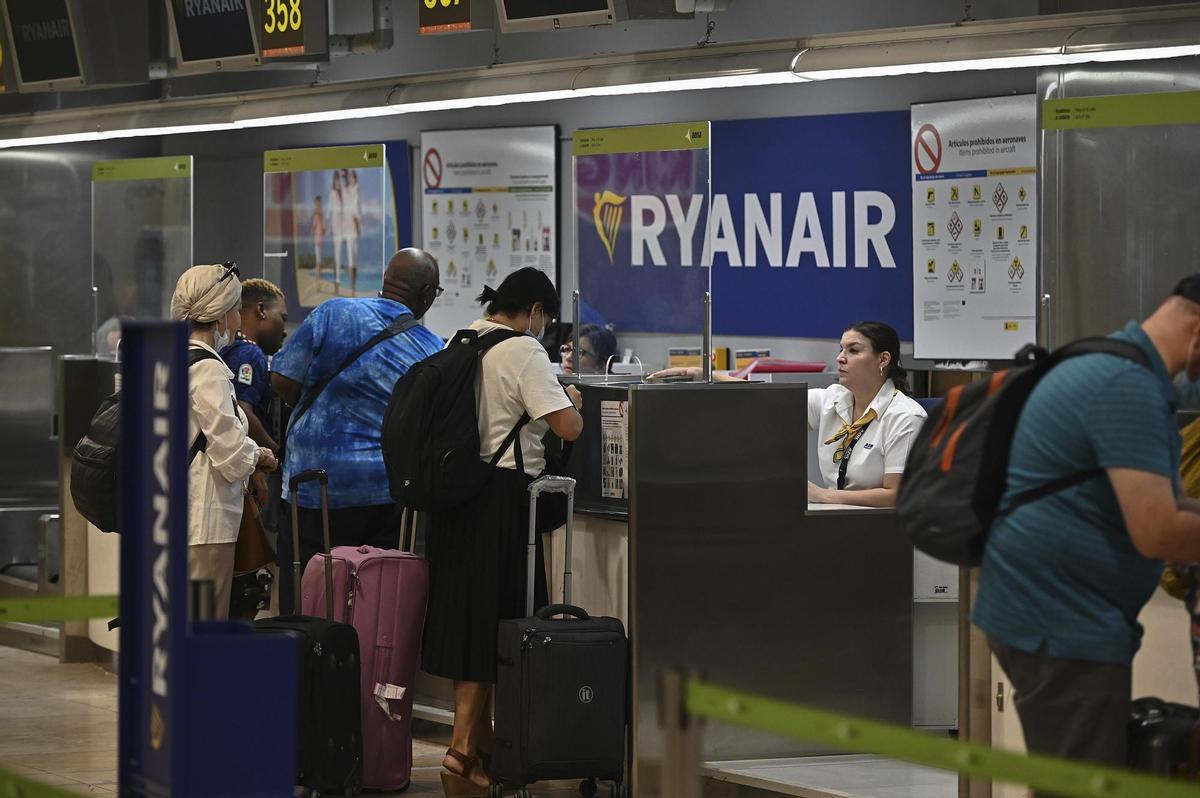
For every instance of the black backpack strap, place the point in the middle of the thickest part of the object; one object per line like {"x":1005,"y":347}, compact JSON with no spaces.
{"x":1049,"y":489}
{"x":1103,"y":346}
{"x":484,"y":343}
{"x":402,"y":323}
{"x":513,"y":438}
{"x":1084,"y":346}
{"x":195,"y":355}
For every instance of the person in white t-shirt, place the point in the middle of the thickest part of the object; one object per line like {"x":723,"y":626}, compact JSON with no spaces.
{"x":477,"y":553}
{"x":866,"y":423}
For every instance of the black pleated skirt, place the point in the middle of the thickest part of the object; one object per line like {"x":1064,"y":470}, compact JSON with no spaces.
{"x":477,"y":556}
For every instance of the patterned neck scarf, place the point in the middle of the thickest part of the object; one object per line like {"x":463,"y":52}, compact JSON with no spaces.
{"x":849,"y":433}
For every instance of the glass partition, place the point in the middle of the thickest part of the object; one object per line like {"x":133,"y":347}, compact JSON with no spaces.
{"x":643,"y":245}
{"x":324,"y":223}
{"x":141,"y":240}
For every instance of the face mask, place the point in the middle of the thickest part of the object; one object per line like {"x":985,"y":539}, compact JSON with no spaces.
{"x":220,"y":339}
{"x":542,"y":333}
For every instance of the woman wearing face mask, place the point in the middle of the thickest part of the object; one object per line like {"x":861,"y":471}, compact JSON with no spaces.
{"x":477,"y":553}
{"x":223,"y":458}
{"x":864,"y":424}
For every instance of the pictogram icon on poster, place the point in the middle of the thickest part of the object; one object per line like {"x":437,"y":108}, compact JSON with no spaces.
{"x":927,"y":149}
{"x":432,"y":169}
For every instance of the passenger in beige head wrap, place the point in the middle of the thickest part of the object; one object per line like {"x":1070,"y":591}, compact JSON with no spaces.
{"x":223,"y":458}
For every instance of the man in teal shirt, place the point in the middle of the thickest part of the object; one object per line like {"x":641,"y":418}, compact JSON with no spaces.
{"x":1065,"y":577}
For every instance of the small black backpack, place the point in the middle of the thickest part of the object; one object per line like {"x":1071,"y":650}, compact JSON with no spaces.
{"x":430,"y":433}
{"x":958,"y":465}
{"x":94,"y":461}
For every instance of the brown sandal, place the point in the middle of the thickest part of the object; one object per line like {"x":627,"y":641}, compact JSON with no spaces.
{"x":459,"y":785}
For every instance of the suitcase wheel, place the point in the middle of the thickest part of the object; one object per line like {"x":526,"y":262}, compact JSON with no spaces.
{"x":495,"y":790}
{"x":587,"y":788}
{"x":621,"y":789}
{"x":523,"y":793}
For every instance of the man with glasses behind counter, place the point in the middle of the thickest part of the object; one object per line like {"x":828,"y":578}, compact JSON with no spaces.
{"x":337,"y":371}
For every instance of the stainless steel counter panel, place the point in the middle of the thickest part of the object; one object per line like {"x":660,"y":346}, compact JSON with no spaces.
{"x":28,"y":472}
{"x":731,"y":576}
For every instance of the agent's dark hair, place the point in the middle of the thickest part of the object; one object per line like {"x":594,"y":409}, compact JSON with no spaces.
{"x":604,"y":343}
{"x":883,"y":338}
{"x":519,"y":292}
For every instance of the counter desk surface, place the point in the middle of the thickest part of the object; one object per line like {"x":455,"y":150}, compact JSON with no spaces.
{"x":848,"y":509}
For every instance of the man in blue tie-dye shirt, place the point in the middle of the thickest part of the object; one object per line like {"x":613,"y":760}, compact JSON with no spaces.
{"x":340,"y":431}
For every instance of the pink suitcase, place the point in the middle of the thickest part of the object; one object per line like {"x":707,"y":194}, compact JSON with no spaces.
{"x":383,"y":593}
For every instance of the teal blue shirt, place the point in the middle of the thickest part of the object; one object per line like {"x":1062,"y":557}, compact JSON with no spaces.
{"x":1063,"y":570}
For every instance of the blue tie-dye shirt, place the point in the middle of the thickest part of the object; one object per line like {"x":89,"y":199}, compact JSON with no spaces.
{"x":340,"y":432}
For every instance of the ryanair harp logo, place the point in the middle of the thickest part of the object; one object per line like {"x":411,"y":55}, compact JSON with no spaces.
{"x":607,"y":213}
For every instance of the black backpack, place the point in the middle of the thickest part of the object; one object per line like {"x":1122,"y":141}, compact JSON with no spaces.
{"x":94,"y":460}
{"x":958,"y":465}
{"x":430,"y":433}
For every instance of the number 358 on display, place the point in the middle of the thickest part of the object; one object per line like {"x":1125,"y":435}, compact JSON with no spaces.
{"x":281,"y":16}
{"x":443,"y":3}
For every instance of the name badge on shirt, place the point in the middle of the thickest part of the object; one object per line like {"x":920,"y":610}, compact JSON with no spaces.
{"x":246,"y":374}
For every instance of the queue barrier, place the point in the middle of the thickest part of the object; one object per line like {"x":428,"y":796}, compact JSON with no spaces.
{"x":36,"y":610}
{"x":684,"y":700}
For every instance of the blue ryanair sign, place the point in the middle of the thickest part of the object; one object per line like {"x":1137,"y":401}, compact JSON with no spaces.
{"x":809,"y":229}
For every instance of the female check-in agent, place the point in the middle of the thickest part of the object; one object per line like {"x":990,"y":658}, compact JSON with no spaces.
{"x":865,"y":424}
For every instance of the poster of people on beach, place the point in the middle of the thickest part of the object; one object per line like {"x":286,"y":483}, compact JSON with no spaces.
{"x":326,"y":220}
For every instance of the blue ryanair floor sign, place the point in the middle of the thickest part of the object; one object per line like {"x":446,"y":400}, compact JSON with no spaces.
{"x":206,"y":708}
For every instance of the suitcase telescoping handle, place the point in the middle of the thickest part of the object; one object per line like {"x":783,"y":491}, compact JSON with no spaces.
{"x":297,"y":566}
{"x":409,"y":534}
{"x":548,"y":484}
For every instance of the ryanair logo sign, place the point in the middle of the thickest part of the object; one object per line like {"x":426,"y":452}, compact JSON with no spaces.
{"x":607,"y":212}
{"x":837,"y":230}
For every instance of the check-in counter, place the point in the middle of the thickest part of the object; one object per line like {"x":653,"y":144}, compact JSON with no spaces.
{"x":717,"y":562}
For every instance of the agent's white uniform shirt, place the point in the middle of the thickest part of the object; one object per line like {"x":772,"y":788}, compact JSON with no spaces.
{"x":516,"y":378}
{"x":217,"y":477}
{"x":884,"y":444}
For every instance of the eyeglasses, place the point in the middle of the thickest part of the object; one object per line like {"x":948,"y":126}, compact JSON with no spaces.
{"x":565,"y":348}
{"x":437,"y":291}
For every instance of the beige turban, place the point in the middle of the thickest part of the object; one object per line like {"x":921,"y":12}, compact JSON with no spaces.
{"x":200,"y":297}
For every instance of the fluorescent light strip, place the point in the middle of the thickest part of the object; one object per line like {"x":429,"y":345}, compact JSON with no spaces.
{"x":1003,"y":62}
{"x":686,"y":84}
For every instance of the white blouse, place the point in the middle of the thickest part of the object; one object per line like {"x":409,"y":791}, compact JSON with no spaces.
{"x":217,"y":477}
{"x":884,"y":444}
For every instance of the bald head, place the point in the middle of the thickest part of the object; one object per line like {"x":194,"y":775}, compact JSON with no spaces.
{"x":411,"y":277}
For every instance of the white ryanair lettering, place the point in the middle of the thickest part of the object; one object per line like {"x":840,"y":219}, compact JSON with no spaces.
{"x":204,"y":8}
{"x":784,"y":239}
{"x":161,"y":503}
{"x":45,"y":31}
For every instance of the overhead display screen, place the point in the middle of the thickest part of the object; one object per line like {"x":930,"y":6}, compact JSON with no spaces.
{"x":529,"y":9}
{"x":443,"y":16}
{"x":290,"y":28}
{"x":213,"y":30}
{"x":43,"y":41}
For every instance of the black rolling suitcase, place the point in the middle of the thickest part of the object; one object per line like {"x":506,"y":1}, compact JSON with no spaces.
{"x":561,"y":699}
{"x":329,"y":758}
{"x":1162,"y":737}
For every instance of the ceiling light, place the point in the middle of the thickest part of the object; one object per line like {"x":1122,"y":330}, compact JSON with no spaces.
{"x":1035,"y":42}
